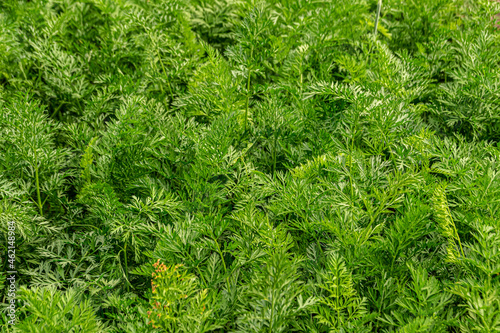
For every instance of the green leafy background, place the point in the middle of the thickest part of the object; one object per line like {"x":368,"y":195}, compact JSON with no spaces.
{"x":285,"y":166}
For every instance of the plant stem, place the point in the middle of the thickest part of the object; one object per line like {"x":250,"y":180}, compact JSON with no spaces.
{"x":57,"y":109}
{"x":40,"y":206}
{"x":456,"y":232}
{"x":82,"y":225}
{"x":219,"y":251}
{"x":165,"y":72}
{"x":248,"y":99}
{"x":350,"y":169}
{"x":126,"y":265}
{"x":379,"y":6}
{"x":274,"y":153}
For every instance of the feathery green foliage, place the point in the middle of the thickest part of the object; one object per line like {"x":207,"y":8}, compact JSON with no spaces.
{"x":250,"y":166}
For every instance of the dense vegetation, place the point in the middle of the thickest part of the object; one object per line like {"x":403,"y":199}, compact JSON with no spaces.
{"x":251,"y":166}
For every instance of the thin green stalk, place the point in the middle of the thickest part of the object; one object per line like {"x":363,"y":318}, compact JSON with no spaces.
{"x":126,"y":265}
{"x":456,"y":232}
{"x":22,"y":70}
{"x":165,"y":72}
{"x":248,"y":99}
{"x":82,"y":225}
{"x":124,"y":270}
{"x":379,"y":7}
{"x":157,"y":49}
{"x":350,"y":169}
{"x":274,"y":153}
{"x":197,"y":268}
{"x":377,"y":17}
{"x":393,"y":160}
{"x":57,"y":109}
{"x":337,"y":307}
{"x":37,"y":181}
{"x":219,"y":251}
{"x":394,"y":260}
{"x":272,"y":316}
{"x":318,"y":243}
{"x":248,"y":89}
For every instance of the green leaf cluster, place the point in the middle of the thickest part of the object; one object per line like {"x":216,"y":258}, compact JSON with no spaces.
{"x":251,"y":166}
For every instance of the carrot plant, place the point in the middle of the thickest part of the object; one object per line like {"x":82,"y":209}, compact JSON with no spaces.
{"x":250,"y":166}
